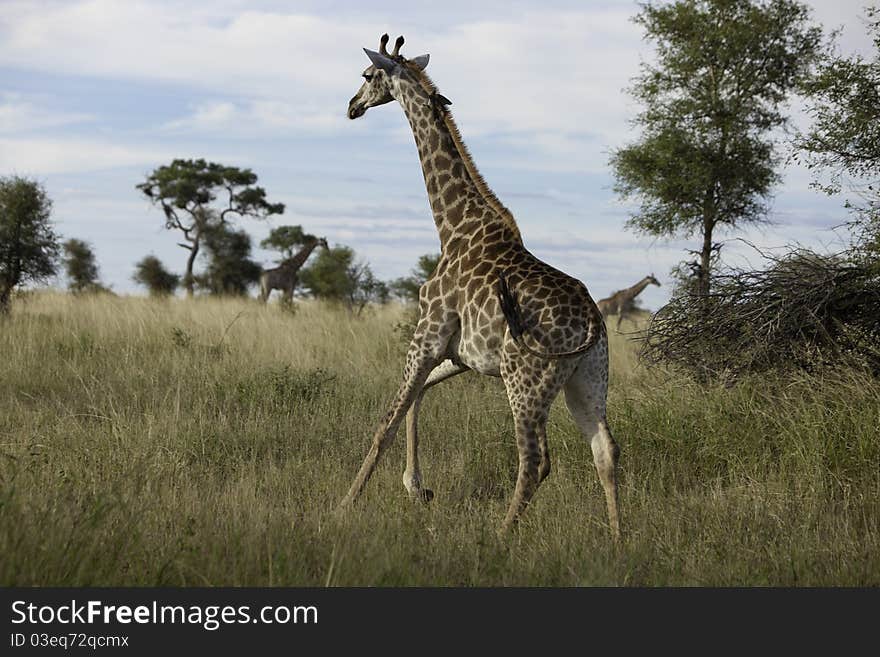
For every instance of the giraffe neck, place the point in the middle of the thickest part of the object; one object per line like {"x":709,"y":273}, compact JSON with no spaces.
{"x":451,"y":177}
{"x":297,"y":261}
{"x":636,"y":289}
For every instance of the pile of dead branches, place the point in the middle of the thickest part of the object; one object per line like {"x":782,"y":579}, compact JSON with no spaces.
{"x":805,"y":310}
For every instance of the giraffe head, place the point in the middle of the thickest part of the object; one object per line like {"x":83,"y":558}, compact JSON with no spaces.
{"x":653,"y":281}
{"x":314,"y":242}
{"x":380,"y":78}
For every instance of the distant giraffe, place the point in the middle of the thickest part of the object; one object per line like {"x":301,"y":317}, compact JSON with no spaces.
{"x":620,"y":303}
{"x":284,"y":276}
{"x":490,"y":305}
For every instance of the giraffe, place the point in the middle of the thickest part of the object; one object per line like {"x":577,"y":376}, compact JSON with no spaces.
{"x":620,"y":302}
{"x":490,"y":305}
{"x":284,"y":276}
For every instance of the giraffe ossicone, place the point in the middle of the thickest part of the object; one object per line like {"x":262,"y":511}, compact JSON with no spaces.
{"x":462,"y":325}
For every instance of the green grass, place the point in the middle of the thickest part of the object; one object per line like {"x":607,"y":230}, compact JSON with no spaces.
{"x":139,"y":446}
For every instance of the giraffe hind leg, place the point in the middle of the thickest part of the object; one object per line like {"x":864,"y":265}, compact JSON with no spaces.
{"x":529,"y":427}
{"x":530,"y":391}
{"x":585,"y":394}
{"x":544,"y":449}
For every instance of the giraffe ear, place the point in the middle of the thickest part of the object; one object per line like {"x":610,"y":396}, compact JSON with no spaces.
{"x":421,"y":61}
{"x":381,"y":61}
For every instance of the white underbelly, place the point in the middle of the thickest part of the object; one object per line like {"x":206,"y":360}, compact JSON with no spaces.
{"x":476,"y":355}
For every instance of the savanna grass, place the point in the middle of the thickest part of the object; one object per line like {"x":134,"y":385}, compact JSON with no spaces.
{"x":206,"y":442}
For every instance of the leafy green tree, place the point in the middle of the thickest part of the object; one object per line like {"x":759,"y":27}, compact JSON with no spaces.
{"x":407,"y":287}
{"x":844,"y":139}
{"x":706,"y":159}
{"x":367,"y":288}
{"x":81,"y":266}
{"x":230,"y":270}
{"x":28,"y":244}
{"x":327,"y":276}
{"x":286,"y":240}
{"x":187,"y":190}
{"x":151,"y":273}
{"x":336,"y":275}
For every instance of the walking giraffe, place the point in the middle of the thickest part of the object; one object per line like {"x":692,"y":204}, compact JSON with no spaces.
{"x":284,"y":276}
{"x":620,"y":303}
{"x":490,"y":305}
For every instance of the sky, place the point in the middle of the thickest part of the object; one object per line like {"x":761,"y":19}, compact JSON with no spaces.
{"x":95,"y":94}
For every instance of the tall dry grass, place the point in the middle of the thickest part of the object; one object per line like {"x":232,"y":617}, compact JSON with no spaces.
{"x":202,"y":442}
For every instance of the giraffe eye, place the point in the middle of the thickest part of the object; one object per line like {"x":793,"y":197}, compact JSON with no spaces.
{"x":368,"y":77}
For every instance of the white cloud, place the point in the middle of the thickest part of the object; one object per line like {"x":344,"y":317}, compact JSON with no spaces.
{"x":247,"y":51}
{"x":20,"y":114}
{"x":28,"y":156}
{"x":547,"y":72}
{"x":255,"y":117}
{"x":549,"y":78}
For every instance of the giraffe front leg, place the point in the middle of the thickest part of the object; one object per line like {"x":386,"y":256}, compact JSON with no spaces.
{"x":420,"y":362}
{"x":412,"y":476}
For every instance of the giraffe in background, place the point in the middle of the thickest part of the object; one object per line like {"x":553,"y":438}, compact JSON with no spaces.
{"x":284,"y":276}
{"x":490,"y":305}
{"x":620,"y":303}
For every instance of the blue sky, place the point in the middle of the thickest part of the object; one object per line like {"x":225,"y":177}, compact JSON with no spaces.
{"x":94,"y":94}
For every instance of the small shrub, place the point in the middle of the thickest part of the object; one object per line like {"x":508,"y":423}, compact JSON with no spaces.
{"x":181,"y":338}
{"x":283,"y":387}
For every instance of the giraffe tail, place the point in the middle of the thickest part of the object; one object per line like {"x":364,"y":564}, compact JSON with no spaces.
{"x":519,"y":330}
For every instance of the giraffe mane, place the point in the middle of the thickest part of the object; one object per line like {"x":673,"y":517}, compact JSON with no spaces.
{"x":470,"y":166}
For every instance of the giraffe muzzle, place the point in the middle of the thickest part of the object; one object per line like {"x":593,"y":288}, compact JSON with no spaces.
{"x":356,"y":109}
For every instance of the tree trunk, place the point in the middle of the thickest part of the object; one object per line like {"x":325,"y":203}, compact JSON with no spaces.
{"x":5,"y":294}
{"x":703,"y":283}
{"x":705,"y":260}
{"x":10,"y":280}
{"x":188,"y":280}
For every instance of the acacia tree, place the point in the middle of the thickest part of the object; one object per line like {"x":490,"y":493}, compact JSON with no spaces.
{"x":844,"y":139}
{"x":286,"y":240}
{"x":80,"y":266}
{"x":187,"y":190}
{"x":705,"y":158}
{"x":28,"y":244}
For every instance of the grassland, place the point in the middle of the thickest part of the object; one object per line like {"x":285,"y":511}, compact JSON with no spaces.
{"x":162,"y":443}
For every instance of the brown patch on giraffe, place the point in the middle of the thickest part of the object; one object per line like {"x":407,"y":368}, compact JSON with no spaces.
{"x":454,"y":214}
{"x":450,"y":195}
{"x":442,"y":162}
